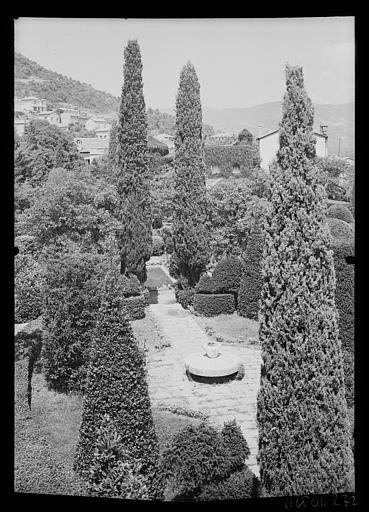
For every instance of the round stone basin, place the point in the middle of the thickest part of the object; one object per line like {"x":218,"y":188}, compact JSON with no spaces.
{"x":204,"y":366}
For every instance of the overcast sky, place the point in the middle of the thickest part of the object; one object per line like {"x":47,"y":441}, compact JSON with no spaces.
{"x":239,"y":62}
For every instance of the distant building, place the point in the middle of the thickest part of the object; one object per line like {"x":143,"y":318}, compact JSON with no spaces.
{"x":70,"y":115}
{"x":30,"y":104}
{"x":221,"y":139}
{"x":52,"y":116}
{"x":19,"y":126}
{"x":95,"y":123}
{"x":91,"y":148}
{"x":103,"y":133}
{"x":167,"y":139}
{"x":269,"y":145}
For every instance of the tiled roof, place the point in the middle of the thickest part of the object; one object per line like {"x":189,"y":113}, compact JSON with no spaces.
{"x":276,"y":131}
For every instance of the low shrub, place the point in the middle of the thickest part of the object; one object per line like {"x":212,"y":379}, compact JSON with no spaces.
{"x":227,"y":275}
{"x":340,"y":230}
{"x":135,"y":306}
{"x":205,"y":284}
{"x":213,"y":304}
{"x":240,"y":485}
{"x":340,"y":211}
{"x":130,"y":286}
{"x":157,"y":245}
{"x":251,"y":281}
{"x":185,"y":296}
{"x":200,"y":455}
{"x":345,"y":277}
{"x":113,"y":473}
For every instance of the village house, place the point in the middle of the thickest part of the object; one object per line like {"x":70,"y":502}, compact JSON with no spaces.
{"x":52,"y":116}
{"x":103,"y":133}
{"x":19,"y":125}
{"x":91,"y":148}
{"x":269,"y":145}
{"x":95,"y":123}
{"x":30,"y":104}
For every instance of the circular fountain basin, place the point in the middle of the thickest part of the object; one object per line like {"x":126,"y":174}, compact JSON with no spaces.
{"x":204,"y":366}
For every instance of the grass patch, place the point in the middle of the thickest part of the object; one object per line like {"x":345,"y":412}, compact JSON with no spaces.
{"x":230,"y":328}
{"x":148,"y":334}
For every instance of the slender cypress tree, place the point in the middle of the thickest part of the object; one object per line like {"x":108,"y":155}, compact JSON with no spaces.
{"x":304,"y":433}
{"x":117,"y":386}
{"x":191,"y":240}
{"x":132,"y":168}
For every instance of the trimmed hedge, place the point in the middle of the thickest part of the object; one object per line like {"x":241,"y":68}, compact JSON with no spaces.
{"x":340,"y":211}
{"x":130,"y":286}
{"x":250,"y":288}
{"x":240,"y":485}
{"x":135,"y":306}
{"x":116,"y":385}
{"x":205,"y":284}
{"x":345,"y":276}
{"x":340,"y":229}
{"x":214,"y":304}
{"x":201,"y":455}
{"x":157,"y":245}
{"x":227,"y":275}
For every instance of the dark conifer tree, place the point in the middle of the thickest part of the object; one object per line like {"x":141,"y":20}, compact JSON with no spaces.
{"x":191,"y":240}
{"x":132,"y":168}
{"x":304,"y":432}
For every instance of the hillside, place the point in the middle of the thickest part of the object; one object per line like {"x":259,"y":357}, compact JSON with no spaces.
{"x":31,"y":79}
{"x":338,"y":118}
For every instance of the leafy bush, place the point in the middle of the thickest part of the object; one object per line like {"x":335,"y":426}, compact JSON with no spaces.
{"x":340,"y":211}
{"x":240,"y":485}
{"x":251,"y":282}
{"x":135,"y":306}
{"x":227,"y":275}
{"x":113,"y":472}
{"x":130,"y":286}
{"x":345,"y":277}
{"x":157,"y":245}
{"x":340,"y":230}
{"x":29,"y":285}
{"x":205,"y":284}
{"x":116,"y":385}
{"x":71,"y":304}
{"x":185,"y":296}
{"x":200,"y":455}
{"x":213,"y":304}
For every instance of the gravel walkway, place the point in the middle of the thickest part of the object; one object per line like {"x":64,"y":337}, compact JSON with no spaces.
{"x":169,"y":385}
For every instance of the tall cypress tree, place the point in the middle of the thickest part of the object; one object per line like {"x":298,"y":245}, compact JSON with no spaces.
{"x":191,"y":240}
{"x":304,"y":436}
{"x":132,"y":168}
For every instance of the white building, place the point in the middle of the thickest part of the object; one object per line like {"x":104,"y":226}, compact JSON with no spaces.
{"x":269,"y":145}
{"x":30,"y":104}
{"x":95,"y":123}
{"x":103,"y":133}
{"x":91,"y":148}
{"x":19,"y":125}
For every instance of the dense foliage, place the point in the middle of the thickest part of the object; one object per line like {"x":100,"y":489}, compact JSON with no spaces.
{"x":113,"y":472}
{"x":191,"y":239}
{"x":205,"y":284}
{"x":337,"y":175}
{"x":135,"y":306}
{"x":239,"y":485}
{"x":304,"y":430}
{"x":227,"y":160}
{"x":201,"y":455}
{"x":116,"y":385}
{"x":345,"y":279}
{"x":251,"y":281}
{"x":70,"y":206}
{"x":132,"y":168}
{"x":42,"y":148}
{"x":185,"y":296}
{"x":340,"y":211}
{"x":235,"y":207}
{"x":214,"y":304}
{"x":28,"y":288}
{"x":71,"y":304}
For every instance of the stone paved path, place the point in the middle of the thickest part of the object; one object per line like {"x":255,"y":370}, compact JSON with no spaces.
{"x":169,"y":385}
